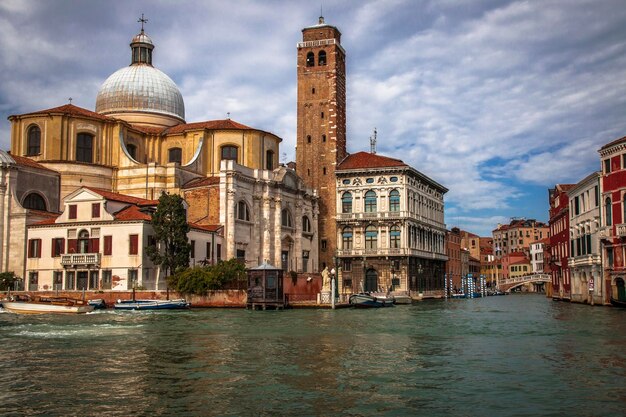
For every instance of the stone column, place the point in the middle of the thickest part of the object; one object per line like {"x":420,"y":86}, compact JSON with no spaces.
{"x":266,"y":222}
{"x":277,"y":231}
{"x":230,"y":238}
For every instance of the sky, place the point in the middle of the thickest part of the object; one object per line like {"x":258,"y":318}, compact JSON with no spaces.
{"x":496,"y":100}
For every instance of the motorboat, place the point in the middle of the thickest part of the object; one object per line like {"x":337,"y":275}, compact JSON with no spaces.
{"x":618,"y":303}
{"x":152,"y":304}
{"x":98,"y":303}
{"x":365,"y":300}
{"x":24,"y":304}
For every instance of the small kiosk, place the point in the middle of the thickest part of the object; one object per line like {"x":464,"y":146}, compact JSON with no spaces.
{"x":265,"y":287}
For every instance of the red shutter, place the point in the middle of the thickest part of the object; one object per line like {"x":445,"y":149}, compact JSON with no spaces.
{"x":53,"y":247}
{"x":95,"y":211}
{"x":95,"y":245}
{"x":72,"y":245}
{"x":108,"y":245}
{"x":62,"y":246}
{"x":30,"y":248}
{"x":72,"y":214}
{"x":134,"y":241}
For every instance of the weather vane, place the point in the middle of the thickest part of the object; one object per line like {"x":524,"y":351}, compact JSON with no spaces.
{"x":142,"y":20}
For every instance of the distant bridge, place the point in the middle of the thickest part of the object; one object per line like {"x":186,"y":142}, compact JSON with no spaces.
{"x":508,"y":284}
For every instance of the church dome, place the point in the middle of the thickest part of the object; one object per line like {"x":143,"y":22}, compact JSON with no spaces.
{"x":140,"y":88}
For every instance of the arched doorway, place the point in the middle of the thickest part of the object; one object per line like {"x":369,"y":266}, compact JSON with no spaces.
{"x":371,"y":280}
{"x":621,"y":290}
{"x":83,"y":241}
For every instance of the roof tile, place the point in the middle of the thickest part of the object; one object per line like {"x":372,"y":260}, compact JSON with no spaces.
{"x":363,"y":160}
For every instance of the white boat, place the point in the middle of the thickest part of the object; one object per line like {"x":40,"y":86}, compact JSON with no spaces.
{"x":46,"y":305}
{"x":364,"y":300}
{"x":152,"y":304}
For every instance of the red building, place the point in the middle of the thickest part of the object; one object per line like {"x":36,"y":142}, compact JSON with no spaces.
{"x":559,"y":242}
{"x":613,"y":221}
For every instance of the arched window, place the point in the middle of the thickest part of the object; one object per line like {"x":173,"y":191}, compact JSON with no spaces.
{"x":175,"y":155}
{"x":394,"y":237}
{"x":285,"y":218}
{"x":84,"y":147}
{"x":394,"y":200}
{"x":83,"y":241}
{"x":371,"y":237}
{"x":34,"y":141}
{"x":346,"y":238}
{"x":310,"y":59}
{"x":308,"y":139}
{"x":132,"y":150}
{"x":370,"y":202}
{"x":269,"y":160}
{"x":323,"y":138}
{"x":35,"y":202}
{"x":346,"y":203}
{"x":243,"y":213}
{"x":306,"y":225}
{"x":229,"y":152}
{"x":321,"y":58}
{"x":608,"y":211}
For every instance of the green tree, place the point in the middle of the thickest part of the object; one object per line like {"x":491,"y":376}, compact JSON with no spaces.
{"x":7,"y":281}
{"x":200,"y":280}
{"x":169,"y":222}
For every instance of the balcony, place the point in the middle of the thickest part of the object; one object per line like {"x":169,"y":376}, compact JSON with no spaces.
{"x":620,"y":230}
{"x":391,"y":252}
{"x":80,"y":259}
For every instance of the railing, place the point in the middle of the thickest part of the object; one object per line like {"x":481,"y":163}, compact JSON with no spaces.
{"x":585,"y":260}
{"x":406,"y":215}
{"x":606,"y":232}
{"x":391,"y":252}
{"x":321,"y":42}
{"x":80,"y":259}
{"x":620,"y":230}
{"x":527,"y":278}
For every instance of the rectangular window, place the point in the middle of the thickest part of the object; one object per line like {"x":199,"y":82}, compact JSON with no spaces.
{"x":609,"y":257}
{"x":95,"y":210}
{"x":72,"y":213}
{"x":132,"y":279}
{"x":192,"y":252}
{"x":323,"y":244}
{"x":34,"y":248}
{"x":133,"y":247}
{"x":219,"y":252}
{"x":106,"y":279}
{"x":607,"y":166}
{"x":69,"y":280}
{"x":588,"y":243}
{"x":576,"y":205}
{"x":58,"y":247}
{"x":57,"y":280}
{"x":597,"y":194}
{"x":624,"y":161}
{"x":241,"y":256}
{"x":108,"y":245}
{"x":208,"y":250}
{"x":93,"y":280}
{"x":33,"y":281}
{"x":347,"y":265}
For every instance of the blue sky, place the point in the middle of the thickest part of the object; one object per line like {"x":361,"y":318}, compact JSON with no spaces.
{"x":496,"y":100}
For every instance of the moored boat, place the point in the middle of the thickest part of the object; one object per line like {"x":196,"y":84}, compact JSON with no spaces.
{"x":364,"y":300}
{"x":618,"y":303}
{"x":46,"y":305}
{"x":402,"y":298}
{"x":152,"y":304}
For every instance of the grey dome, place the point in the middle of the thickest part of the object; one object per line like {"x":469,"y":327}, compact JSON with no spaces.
{"x":140,"y":88}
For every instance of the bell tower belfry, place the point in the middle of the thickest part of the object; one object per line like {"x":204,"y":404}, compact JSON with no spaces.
{"x":321,"y":132}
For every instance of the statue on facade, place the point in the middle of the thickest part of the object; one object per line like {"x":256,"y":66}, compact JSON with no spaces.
{"x":325,"y":280}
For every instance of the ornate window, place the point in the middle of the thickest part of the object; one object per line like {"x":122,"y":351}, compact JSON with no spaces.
{"x":175,"y":155}
{"x":306,"y":225}
{"x":243,"y":213}
{"x":321,"y":58}
{"x":310,"y":59}
{"x":394,"y":237}
{"x":84,"y":147}
{"x":394,"y":200}
{"x":346,"y":238}
{"x":229,"y":152}
{"x":34,"y":141}
{"x":34,"y":201}
{"x":371,"y":237}
{"x":608,"y":211}
{"x":370,"y":202}
{"x":346,"y":203}
{"x":83,"y":241}
{"x":285,"y":218}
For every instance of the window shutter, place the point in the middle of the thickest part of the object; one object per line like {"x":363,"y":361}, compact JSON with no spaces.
{"x":53,"y":247}
{"x":95,"y":210}
{"x":95,"y":245}
{"x":30,"y":248}
{"x":72,"y":245}
{"x":133,"y":245}
{"x":72,"y":214}
{"x":108,"y":245}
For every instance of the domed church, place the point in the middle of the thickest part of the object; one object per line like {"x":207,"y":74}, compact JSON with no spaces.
{"x":138,"y":143}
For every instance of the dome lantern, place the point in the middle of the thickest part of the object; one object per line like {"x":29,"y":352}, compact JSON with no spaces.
{"x":141,"y":46}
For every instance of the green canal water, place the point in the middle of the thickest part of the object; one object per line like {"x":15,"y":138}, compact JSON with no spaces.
{"x":519,"y":355}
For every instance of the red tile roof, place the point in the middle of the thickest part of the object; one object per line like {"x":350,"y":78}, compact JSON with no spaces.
{"x":523,"y":261}
{"x":615,"y":142}
{"x":71,"y":110}
{"x":109,"y":195}
{"x":209,"y":227}
{"x":23,"y":161}
{"x":363,"y":160}
{"x":132,"y":212}
{"x":209,"y":124}
{"x":152,"y":130}
{"x":201,"y":182}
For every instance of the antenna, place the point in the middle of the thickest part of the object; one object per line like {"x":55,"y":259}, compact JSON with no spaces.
{"x":373,"y":142}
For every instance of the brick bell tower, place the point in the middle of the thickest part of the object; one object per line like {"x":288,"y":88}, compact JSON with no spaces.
{"x":321,"y":141}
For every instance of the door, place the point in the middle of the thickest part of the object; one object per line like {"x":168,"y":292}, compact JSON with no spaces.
{"x":81,"y":280}
{"x":371,"y":280}
{"x":621,"y":290}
